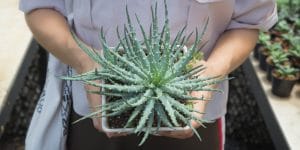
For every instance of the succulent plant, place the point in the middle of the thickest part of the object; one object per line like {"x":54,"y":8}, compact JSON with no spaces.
{"x":149,"y":77}
{"x":289,"y":36}
{"x":286,"y":71}
{"x":264,"y":38}
{"x":278,"y":56}
{"x":295,"y":49}
{"x":283,"y":26}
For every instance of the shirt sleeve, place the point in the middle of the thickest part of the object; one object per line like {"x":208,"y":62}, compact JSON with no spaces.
{"x":254,"y":14}
{"x":28,"y":5}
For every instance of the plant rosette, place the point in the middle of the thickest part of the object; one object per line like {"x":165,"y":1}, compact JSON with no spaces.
{"x":117,"y":123}
{"x":283,"y":80}
{"x":277,"y":57}
{"x":150,"y":81}
{"x":263,"y":40}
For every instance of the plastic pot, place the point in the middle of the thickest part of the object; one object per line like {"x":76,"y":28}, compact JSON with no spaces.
{"x":270,"y":67}
{"x":256,"y":51}
{"x":262,"y":60}
{"x":282,"y":87}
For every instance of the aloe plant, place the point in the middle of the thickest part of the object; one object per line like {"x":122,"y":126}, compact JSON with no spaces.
{"x":149,"y":77}
{"x":278,"y":56}
{"x":295,"y":49}
{"x":264,"y":38}
{"x":288,"y":36}
{"x":286,"y":71}
{"x":283,"y":26}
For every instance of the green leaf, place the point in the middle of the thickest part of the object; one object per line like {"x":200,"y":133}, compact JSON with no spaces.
{"x":162,"y":115}
{"x":118,"y":88}
{"x":148,"y":129}
{"x":133,"y":115}
{"x":145,"y":116}
{"x":90,"y":52}
{"x":143,"y":99}
{"x":169,"y":109}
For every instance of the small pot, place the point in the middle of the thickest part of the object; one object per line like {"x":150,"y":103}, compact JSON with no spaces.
{"x":263,"y":54}
{"x":256,"y":50}
{"x":107,"y":128}
{"x":282,"y":87}
{"x":270,"y":67}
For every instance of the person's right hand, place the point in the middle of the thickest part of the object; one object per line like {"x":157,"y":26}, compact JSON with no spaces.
{"x":51,"y":29}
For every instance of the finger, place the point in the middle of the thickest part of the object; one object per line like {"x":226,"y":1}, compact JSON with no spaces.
{"x":112,"y":134}
{"x":97,"y":124}
{"x":195,"y":124}
{"x":178,"y":134}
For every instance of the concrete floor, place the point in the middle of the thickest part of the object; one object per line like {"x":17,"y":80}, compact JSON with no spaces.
{"x":15,"y":38}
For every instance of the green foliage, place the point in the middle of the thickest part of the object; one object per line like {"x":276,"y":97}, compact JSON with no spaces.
{"x":285,"y":71}
{"x":149,"y":77}
{"x":196,"y":58}
{"x":295,"y":49}
{"x":283,"y":26}
{"x":297,"y":23}
{"x":289,"y":37}
{"x":264,"y":38}
{"x":279,"y":56}
{"x":288,"y":9}
{"x":274,"y":47}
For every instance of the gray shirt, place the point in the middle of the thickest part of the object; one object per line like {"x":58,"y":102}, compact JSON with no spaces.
{"x":86,"y":17}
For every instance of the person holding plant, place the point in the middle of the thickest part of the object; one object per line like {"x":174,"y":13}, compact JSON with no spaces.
{"x":231,"y":34}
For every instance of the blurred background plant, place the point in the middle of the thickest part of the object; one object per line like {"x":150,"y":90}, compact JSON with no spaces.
{"x":281,"y":46}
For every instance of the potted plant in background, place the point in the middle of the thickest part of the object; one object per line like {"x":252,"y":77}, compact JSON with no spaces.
{"x":277,"y":56}
{"x":287,"y":39}
{"x":147,"y":83}
{"x":263,"y":39}
{"x":282,"y":46}
{"x":294,"y":52}
{"x":281,"y":27}
{"x":284,"y":79}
